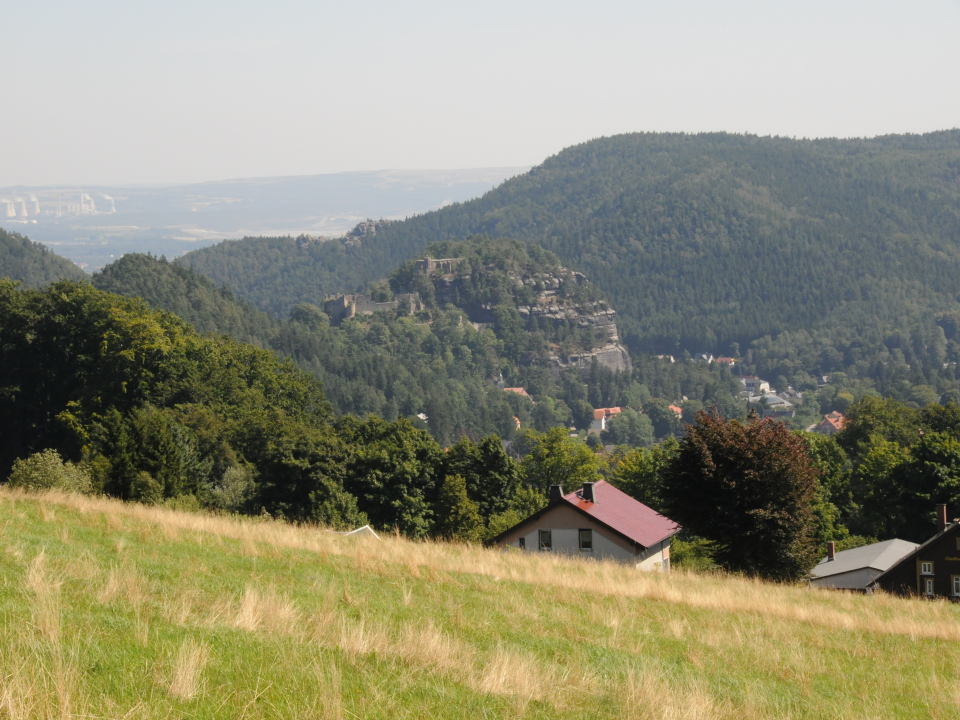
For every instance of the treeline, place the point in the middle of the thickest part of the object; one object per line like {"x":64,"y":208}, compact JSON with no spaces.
{"x":880,"y":478}
{"x":149,"y":410}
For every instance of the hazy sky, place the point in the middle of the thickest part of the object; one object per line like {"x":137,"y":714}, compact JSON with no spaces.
{"x":149,"y":92}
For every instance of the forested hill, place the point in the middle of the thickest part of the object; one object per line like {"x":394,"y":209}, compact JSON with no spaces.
{"x":699,"y":240}
{"x":190,"y":296}
{"x":495,"y":314}
{"x":23,"y":259}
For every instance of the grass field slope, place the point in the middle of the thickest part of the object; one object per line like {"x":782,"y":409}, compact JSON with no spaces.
{"x":124,"y":610}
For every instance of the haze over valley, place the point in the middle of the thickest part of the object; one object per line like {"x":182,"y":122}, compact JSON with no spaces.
{"x":93,"y":225}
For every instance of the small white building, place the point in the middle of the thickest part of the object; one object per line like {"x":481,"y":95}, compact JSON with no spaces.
{"x":601,"y":418}
{"x":600,"y":522}
{"x":754,"y":385}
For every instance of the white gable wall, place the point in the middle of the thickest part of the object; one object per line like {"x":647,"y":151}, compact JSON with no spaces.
{"x":565,"y":524}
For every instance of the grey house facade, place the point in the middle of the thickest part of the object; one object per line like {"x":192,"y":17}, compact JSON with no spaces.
{"x":857,"y":568}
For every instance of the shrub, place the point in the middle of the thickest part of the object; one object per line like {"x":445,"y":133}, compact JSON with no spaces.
{"x":234,"y":489}
{"x":46,"y":470}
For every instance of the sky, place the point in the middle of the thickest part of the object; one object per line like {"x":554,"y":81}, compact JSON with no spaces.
{"x":174,"y":92}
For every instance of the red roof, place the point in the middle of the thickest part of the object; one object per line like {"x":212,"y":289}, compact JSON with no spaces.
{"x":620,"y":512}
{"x":518,"y":391}
{"x":677,"y":410}
{"x":605,"y":412}
{"x":837,"y":420}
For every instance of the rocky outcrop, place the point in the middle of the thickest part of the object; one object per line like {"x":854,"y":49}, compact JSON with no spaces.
{"x":554,"y":299}
{"x":613,"y":357}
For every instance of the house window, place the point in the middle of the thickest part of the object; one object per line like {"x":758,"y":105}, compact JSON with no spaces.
{"x":586,"y":541}
{"x":522,"y":543}
{"x":546,"y":541}
{"x":956,"y":585}
{"x":926,"y":568}
{"x":928,"y":586}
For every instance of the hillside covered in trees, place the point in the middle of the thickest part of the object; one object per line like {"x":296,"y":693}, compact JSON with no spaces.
{"x":823,"y":256}
{"x":144,"y":408}
{"x":436,"y":362}
{"x":30,"y":262}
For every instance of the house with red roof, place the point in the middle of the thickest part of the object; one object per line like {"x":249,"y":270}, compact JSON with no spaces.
{"x":600,"y":522}
{"x":677,"y":410}
{"x":601,"y":416}
{"x":831,"y":424}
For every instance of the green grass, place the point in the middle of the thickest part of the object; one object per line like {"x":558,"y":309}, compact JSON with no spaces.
{"x":112,"y":610}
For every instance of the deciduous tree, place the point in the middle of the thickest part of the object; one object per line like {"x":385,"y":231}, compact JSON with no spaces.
{"x":749,"y":487}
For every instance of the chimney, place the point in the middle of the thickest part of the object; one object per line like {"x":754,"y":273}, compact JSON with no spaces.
{"x":587,"y":493}
{"x":556,"y":494}
{"x":831,"y":551}
{"x":941,"y":517}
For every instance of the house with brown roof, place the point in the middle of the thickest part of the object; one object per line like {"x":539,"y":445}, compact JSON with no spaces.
{"x":831,"y":424}
{"x":932,"y":570}
{"x":600,"y":522}
{"x":602,"y":416}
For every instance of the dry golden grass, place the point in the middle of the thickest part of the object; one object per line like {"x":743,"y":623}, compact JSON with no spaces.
{"x":46,"y":599}
{"x":842,"y":611}
{"x":187,"y":668}
{"x":254,"y":618}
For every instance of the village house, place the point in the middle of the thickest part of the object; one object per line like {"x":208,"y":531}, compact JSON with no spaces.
{"x":754,"y":385}
{"x":728,"y":361}
{"x":677,"y":410}
{"x":831,"y":424}
{"x":770,"y":405}
{"x":932,"y":570}
{"x":857,"y":568}
{"x":600,"y":522}
{"x":601,"y":417}
{"x":791,"y":395}
{"x":703,"y":357}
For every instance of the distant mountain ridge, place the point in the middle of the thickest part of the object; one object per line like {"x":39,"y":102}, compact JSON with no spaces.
{"x":699,"y":240}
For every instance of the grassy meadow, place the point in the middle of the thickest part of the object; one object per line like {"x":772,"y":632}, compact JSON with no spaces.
{"x":126,"y":611}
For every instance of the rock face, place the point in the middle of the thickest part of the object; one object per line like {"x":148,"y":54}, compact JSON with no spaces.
{"x":614,"y":357}
{"x":552,"y":302}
